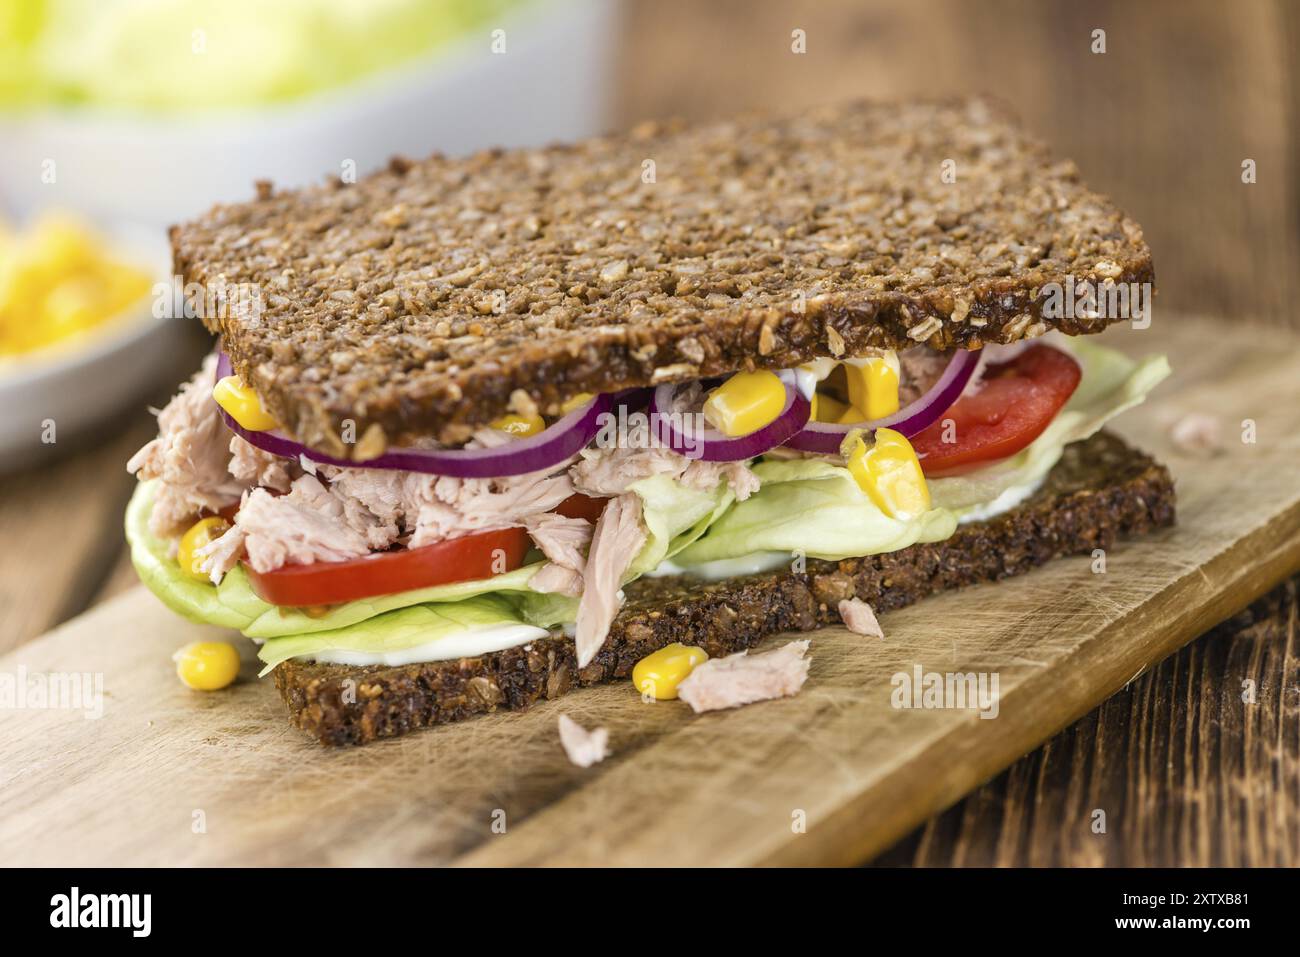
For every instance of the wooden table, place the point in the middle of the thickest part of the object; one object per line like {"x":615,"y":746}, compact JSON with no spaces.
{"x":1187,"y":776}
{"x":62,"y":517}
{"x":1189,"y":89}
{"x":1162,"y":121}
{"x":1183,"y":772}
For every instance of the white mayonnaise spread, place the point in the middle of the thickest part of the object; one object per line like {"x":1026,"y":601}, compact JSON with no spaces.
{"x":750,"y":564}
{"x":1005,"y":502}
{"x":809,"y":374}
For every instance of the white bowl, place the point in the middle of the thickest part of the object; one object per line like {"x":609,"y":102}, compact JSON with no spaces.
{"x":66,"y":388}
{"x":550,"y":84}
{"x":137,"y":173}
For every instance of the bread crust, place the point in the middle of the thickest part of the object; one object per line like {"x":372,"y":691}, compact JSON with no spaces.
{"x":413,"y":303}
{"x":1100,"y":490}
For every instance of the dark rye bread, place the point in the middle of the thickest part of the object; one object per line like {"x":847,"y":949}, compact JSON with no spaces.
{"x":1101,"y":489}
{"x":416,"y":301}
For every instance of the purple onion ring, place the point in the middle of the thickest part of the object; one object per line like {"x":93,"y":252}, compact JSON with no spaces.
{"x":548,"y":448}
{"x":916,"y":417}
{"x":711,"y":445}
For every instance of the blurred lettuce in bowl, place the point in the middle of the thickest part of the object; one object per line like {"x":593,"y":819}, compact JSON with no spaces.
{"x":148,"y":112}
{"x":185,"y":54}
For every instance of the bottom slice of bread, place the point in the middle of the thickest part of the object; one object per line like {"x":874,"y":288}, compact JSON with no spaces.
{"x":1101,"y":489}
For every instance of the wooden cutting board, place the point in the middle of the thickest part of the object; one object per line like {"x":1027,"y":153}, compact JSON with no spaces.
{"x":833,"y":775}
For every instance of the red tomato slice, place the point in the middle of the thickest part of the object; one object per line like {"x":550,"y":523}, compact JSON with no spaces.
{"x":468,"y":558}
{"x":1020,"y":397}
{"x":578,"y":505}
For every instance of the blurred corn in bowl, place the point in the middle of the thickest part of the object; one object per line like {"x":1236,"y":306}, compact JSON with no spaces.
{"x":80,"y":335}
{"x":150,"y":111}
{"x":60,"y":282}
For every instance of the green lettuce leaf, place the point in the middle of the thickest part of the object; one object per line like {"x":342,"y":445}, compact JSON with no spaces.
{"x":129,"y":57}
{"x":234,"y":604}
{"x":195,"y":600}
{"x":275,"y":621}
{"x":458,"y":625}
{"x":807,"y":506}
{"x":814,"y":507}
{"x":674,"y":515}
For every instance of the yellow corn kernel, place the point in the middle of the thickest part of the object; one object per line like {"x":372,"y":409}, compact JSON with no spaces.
{"x":851,"y":415}
{"x":660,"y":673}
{"x":745,"y":402}
{"x":70,"y":307}
{"x":58,"y":281}
{"x":873,"y":384}
{"x":577,"y":402}
{"x":63,"y":246}
{"x":520,"y":425}
{"x":207,"y":665}
{"x":890,"y":473}
{"x":202,"y":532}
{"x":243,"y":404}
{"x":827,"y":408}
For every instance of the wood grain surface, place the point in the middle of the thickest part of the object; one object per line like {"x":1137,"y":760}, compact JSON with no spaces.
{"x":714,"y":789}
{"x":1185,"y":767}
{"x":1162,"y":121}
{"x":61,"y":518}
{"x":67,"y":516}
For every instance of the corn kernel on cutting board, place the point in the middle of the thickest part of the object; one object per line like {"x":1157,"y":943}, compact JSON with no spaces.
{"x":833,"y":775}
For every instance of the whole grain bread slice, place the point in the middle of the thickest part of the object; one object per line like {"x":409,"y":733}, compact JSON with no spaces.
{"x":417,"y":301}
{"x":1101,"y":489}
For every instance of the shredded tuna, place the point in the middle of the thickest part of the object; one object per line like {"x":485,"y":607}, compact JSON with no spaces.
{"x":433,"y":508}
{"x":222,"y":554}
{"x":310,"y":524}
{"x":584,"y":748}
{"x":426,"y":509}
{"x":614,"y":544}
{"x":562,"y":540}
{"x":190,"y":458}
{"x":554,"y":579}
{"x":251,"y":466}
{"x":921,"y":369}
{"x":859,"y":618}
{"x":386,"y":494}
{"x":449,"y":507}
{"x":612,"y":471}
{"x":1197,"y":433}
{"x":744,"y":678}
{"x":379,"y":533}
{"x":707,"y":475}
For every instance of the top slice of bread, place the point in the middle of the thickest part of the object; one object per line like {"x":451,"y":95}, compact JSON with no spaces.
{"x":417,"y":300}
